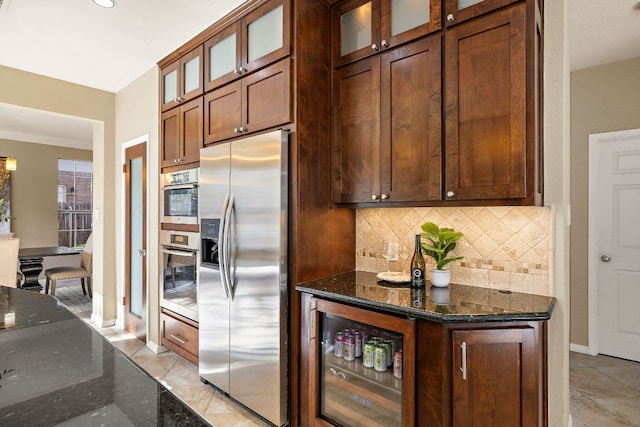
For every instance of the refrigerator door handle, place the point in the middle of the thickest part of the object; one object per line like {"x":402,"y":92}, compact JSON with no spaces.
{"x":228,"y":245}
{"x":231,"y":260}
{"x":221,"y":247}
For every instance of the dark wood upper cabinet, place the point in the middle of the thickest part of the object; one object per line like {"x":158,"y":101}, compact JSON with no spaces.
{"x":456,"y":11}
{"x":181,"y":134}
{"x":181,"y":81}
{"x":486,"y":144}
{"x":363,"y":28}
{"x":387,"y":126}
{"x":257,"y":102}
{"x":260,"y":38}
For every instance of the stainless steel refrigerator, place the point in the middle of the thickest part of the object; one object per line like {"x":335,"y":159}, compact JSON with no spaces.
{"x":243,"y":199}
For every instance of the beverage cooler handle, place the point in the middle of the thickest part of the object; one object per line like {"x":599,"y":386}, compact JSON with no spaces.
{"x":227,"y":245}
{"x":221,"y":249}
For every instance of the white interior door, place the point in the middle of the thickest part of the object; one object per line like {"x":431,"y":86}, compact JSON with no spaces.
{"x":618,"y":248}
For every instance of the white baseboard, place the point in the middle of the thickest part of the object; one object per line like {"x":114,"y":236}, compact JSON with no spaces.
{"x":156,"y":348}
{"x":579,"y":348}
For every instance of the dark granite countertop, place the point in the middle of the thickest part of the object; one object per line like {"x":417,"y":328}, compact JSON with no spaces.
{"x":56,"y":370}
{"x":455,"y":303}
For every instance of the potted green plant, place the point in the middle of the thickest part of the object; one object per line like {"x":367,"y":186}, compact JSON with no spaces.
{"x":437,"y":243}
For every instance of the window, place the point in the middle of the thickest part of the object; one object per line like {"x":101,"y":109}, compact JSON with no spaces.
{"x":75,"y":195}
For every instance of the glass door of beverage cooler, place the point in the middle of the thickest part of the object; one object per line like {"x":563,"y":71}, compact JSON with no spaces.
{"x":363,"y":359}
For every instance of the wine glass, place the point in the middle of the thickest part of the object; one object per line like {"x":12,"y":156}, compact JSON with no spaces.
{"x":389,"y":252}
{"x":403,"y":251}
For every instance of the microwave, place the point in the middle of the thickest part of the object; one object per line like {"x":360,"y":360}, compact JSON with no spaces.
{"x":179,"y":198}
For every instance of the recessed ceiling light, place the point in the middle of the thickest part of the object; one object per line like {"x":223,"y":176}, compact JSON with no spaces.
{"x":105,"y":3}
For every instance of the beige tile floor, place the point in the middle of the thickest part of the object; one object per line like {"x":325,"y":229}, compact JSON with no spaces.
{"x":605,"y":391}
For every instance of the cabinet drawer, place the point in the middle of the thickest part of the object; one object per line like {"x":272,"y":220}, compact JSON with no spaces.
{"x":180,"y":337}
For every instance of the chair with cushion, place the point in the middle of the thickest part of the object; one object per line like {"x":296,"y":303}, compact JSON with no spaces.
{"x":9,"y":261}
{"x":69,"y":272}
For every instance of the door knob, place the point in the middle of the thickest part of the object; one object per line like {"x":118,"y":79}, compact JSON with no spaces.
{"x":450,"y":17}
{"x":142,"y":252}
{"x":605,"y":258}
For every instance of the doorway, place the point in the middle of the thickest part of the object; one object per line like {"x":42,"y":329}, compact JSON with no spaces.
{"x":135,"y":292}
{"x":614,"y":244}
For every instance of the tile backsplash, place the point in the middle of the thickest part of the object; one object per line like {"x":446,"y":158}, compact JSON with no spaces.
{"x":503,"y":247}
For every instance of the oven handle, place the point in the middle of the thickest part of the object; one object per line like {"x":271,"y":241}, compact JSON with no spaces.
{"x":177,"y":252}
{"x":180,"y":186}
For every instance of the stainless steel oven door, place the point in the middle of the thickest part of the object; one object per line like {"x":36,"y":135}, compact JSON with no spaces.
{"x":180,"y":282}
{"x":180,"y":204}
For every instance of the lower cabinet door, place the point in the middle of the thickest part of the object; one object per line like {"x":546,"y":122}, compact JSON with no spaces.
{"x":180,"y":335}
{"x":495,"y":379}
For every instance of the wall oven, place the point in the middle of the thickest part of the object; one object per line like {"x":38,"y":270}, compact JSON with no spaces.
{"x":180,"y":197}
{"x":180,"y":262}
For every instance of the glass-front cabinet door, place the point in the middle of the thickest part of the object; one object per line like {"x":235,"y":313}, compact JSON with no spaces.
{"x":259,"y":39}
{"x":182,"y":79}
{"x":266,"y":34}
{"x":456,"y":11}
{"x":365,"y":27}
{"x":361,"y":367}
{"x":222,"y":54}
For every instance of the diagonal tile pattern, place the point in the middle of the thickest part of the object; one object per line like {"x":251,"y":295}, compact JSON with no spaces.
{"x":503,"y":247}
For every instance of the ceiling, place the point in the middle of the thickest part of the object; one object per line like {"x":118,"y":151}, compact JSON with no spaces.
{"x":79,"y":42}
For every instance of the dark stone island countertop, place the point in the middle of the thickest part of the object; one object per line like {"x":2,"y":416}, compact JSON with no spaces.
{"x":455,"y":303}
{"x":56,"y":370}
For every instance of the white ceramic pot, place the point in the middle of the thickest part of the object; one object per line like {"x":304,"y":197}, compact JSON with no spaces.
{"x":440,"y":278}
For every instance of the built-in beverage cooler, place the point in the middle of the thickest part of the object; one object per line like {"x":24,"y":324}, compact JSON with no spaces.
{"x":362,"y":366}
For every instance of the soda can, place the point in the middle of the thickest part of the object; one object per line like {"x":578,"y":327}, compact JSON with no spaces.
{"x":364,"y":336}
{"x":358,"y":339}
{"x":380,"y":361}
{"x":349,"y":349}
{"x":369,"y":354}
{"x":338,"y":348}
{"x":397,"y":364}
{"x":389,"y":347}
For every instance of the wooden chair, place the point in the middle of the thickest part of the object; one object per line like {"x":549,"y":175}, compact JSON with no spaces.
{"x":9,"y":261}
{"x":69,"y":272}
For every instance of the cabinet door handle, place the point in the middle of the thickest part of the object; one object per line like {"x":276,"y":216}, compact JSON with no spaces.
{"x":384,"y":196}
{"x":450,"y":17}
{"x":242,"y":129}
{"x":374,"y":197}
{"x":384,"y":43}
{"x":463,"y":368}
{"x":451,"y":194}
{"x":374,"y":47}
{"x":180,"y":340}
{"x":243,"y":70}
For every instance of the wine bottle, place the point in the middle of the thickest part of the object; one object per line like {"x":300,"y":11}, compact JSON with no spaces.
{"x":417,"y":266}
